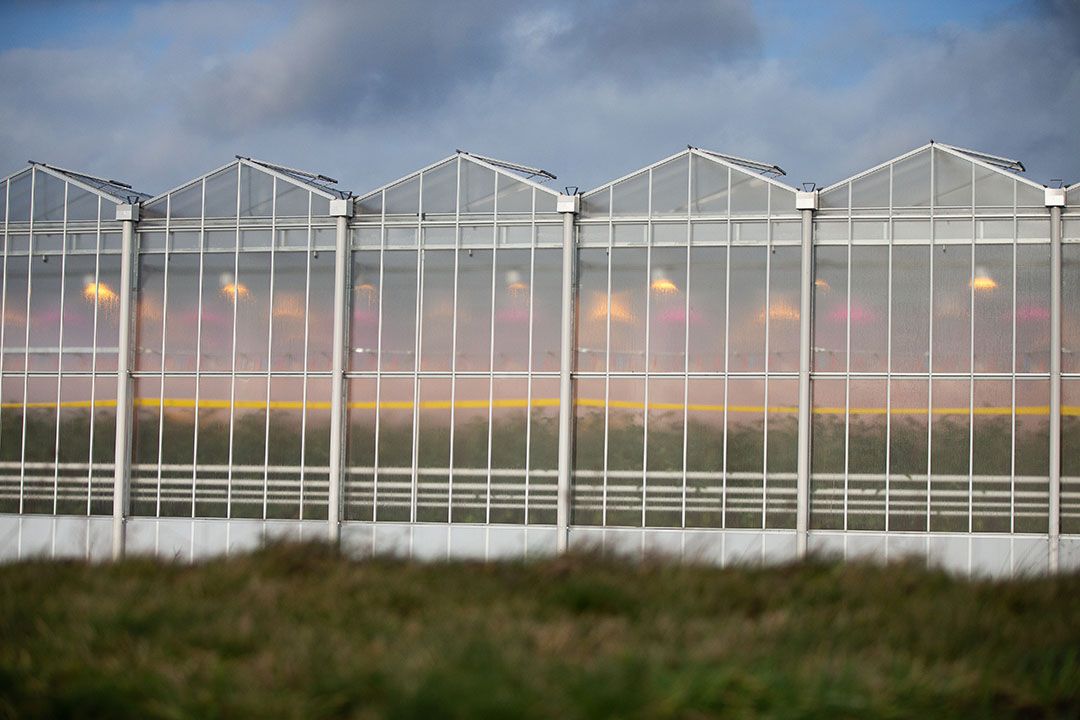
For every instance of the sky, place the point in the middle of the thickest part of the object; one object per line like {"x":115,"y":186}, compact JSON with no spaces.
{"x":155,"y":93}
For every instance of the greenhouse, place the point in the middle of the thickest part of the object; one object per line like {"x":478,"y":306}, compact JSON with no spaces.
{"x":696,"y":360}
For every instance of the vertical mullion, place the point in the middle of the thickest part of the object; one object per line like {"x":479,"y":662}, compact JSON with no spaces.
{"x":60,"y":357}
{"x":269,"y":358}
{"x":686,"y":337}
{"x":94,"y":354}
{"x":26,"y":344}
{"x":529,"y":365}
{"x":647,"y":358}
{"x":198,"y":349}
{"x":607,"y":362}
{"x":727,"y":354}
{"x":307,"y":324}
{"x":491,"y":354}
{"x":164,"y":333}
{"x":232,"y":358}
{"x":378,"y":363}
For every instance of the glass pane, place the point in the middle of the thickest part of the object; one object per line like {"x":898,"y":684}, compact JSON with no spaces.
{"x":589,"y":445}
{"x":178,"y":447}
{"x":474,"y":310}
{"x":514,"y":196}
{"x":1070,"y":298}
{"x":359,"y":484}
{"x":952,"y":309}
{"x":221,"y":194}
{"x":17,"y":270}
{"x":39,"y":443}
{"x":149,"y":308}
{"x":144,"y":445}
{"x":292,"y":200}
{"x":705,"y":452}
{"x":252,"y":289}
{"x":669,"y":187}
{"x":320,"y":316}
{"x":182,"y":312}
{"x":289,"y":311}
{"x":627,"y":309}
{"x":625,"y":451}
{"x":48,"y":197}
{"x":827,"y":455}
{"x":786,"y":276}
{"x":868,"y":310}
{"x":509,"y":428}
{"x":631,"y":196}
{"x":433,"y":485}
{"x":992,"y":456}
{"x":512,"y":293}
{"x":13,"y":397}
{"x":284,"y":451}
{"x":910,"y":309}
{"x":830,"y":308}
{"x":993,"y":291}
{"x":749,"y":194}
{"x":398,"y":343}
{"x":949,"y":454}
{"x":1032,"y":483}
{"x":952,"y":180}
{"x":212,"y":453}
{"x":746,"y":318}
{"x":783,"y":453}
{"x":46,"y":284}
{"x":19,"y":190}
{"x":710,"y":187}
{"x":437,"y":315}
{"x":867,"y":441}
{"x":547,"y":309}
{"x":249,"y":448}
{"x":83,"y":205}
{"x":1028,"y":196}
{"x":592,"y":309}
{"x":103,"y":448}
{"x":404,"y":198}
{"x":745,"y":453}
{"x":597,"y":204}
{"x":256,"y":193}
{"x":993,"y":189}
{"x":911,"y":181}
{"x":543,"y":450}
{"x":440,"y":189}
{"x":364,"y":326}
{"x":664,"y":481}
{"x":837,"y":198}
{"x":477,"y":188}
{"x":393,"y":490}
{"x":908,"y":455}
{"x":667,"y":310}
{"x":872,"y":190}
{"x":708,"y":308}
{"x":316,"y":486}
{"x":1033,"y":310}
{"x":469,"y":478}
{"x":82,"y":295}
{"x":219,"y":295}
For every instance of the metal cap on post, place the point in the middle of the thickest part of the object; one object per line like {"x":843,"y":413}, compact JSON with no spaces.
{"x":569,"y":205}
{"x":342,"y":210}
{"x":128,"y":214}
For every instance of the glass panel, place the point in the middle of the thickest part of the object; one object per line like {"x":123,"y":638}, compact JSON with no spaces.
{"x":626,"y":451}
{"x":1028,"y":196}
{"x":393,"y":490}
{"x":364,"y":325}
{"x":212,"y":452}
{"x":1032,"y":483}
{"x":19,"y":189}
{"x":749,"y":194}
{"x":82,"y":295}
{"x":830,"y":308}
{"x":48,"y":197}
{"x":952,"y":180}
{"x":910,"y":309}
{"x":1070,"y":455}
{"x":514,"y":196}
{"x":404,"y":198}
{"x":3,"y":201}
{"x":627,"y":309}
{"x":631,"y":196}
{"x":440,"y":189}
{"x":592,"y":310}
{"x":370,"y":205}
{"x":868,"y":310}
{"x":867,"y":441}
{"x":669,"y":233}
{"x":597,"y":204}
{"x":509,"y":428}
{"x":837,"y":198}
{"x":256,"y":193}
{"x":284,"y":447}
{"x":15,"y":289}
{"x":1033,"y":310}
{"x":667,"y":310}
{"x":317,"y":450}
{"x":150,"y":295}
{"x":949,"y":454}
{"x":543,"y":450}
{"x":669,"y":187}
{"x":911,"y":181}
{"x":182,"y":312}
{"x":952,"y":309}
{"x":187,"y":203}
{"x":433,"y":486}
{"x":469,"y":477}
{"x":320,"y":316}
{"x":104,"y":446}
{"x":512,"y":292}
{"x":46,"y":285}
{"x":249,"y":448}
{"x":872,"y":190}
{"x":253,"y":311}
{"x":827,"y":455}
{"x":992,"y":456}
{"x":664,"y":481}
{"x":359,"y":484}
{"x":630,"y":234}
{"x":219,"y":295}
{"x":12,"y":396}
{"x":178,"y":447}
{"x":108,"y":312}
{"x":546,"y":202}
{"x":39,"y":444}
{"x":547,"y":309}
{"x":784,"y":309}
{"x":83,"y":205}
{"x":745,"y":453}
{"x":144,"y":445}
{"x":473,"y":346}
{"x":1070,"y":298}
{"x":710,"y":187}
{"x":708,"y":308}
{"x":783,"y":453}
{"x":705,"y":452}
{"x":589,"y":445}
{"x":746,"y":316}
{"x":993,"y":189}
{"x":320,"y":206}
{"x":221,"y":194}
{"x":477,"y":188}
{"x":289,"y":311}
{"x":398,"y":344}
{"x":908,"y":455}
{"x":993,"y":303}
{"x":292,"y":200}
{"x":437,"y":315}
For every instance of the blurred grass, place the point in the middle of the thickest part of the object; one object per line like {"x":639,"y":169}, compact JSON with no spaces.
{"x":298,"y":632}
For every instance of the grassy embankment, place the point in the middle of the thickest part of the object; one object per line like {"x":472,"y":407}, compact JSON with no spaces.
{"x":299,"y":632}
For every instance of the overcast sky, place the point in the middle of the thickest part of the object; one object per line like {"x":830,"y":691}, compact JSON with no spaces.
{"x":156,"y":93}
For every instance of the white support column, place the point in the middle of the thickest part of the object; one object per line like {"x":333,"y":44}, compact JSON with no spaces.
{"x":806,"y":203}
{"x":1055,"y":200}
{"x":128,"y":215}
{"x":342,"y":210}
{"x":568,"y":205}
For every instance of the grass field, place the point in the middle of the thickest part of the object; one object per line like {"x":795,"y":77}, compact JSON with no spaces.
{"x":295,"y":631}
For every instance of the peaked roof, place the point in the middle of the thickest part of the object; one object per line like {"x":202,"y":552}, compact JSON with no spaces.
{"x":116,"y":191}
{"x":766,"y":171}
{"x":315,"y":182}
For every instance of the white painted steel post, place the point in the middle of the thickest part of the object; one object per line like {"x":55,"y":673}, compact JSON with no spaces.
{"x":1055,"y":200}
{"x":806,"y":203}
{"x":128,"y":215}
{"x":342,"y":210}
{"x":569,"y":206}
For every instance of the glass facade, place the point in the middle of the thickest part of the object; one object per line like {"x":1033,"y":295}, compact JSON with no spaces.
{"x":930,"y":358}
